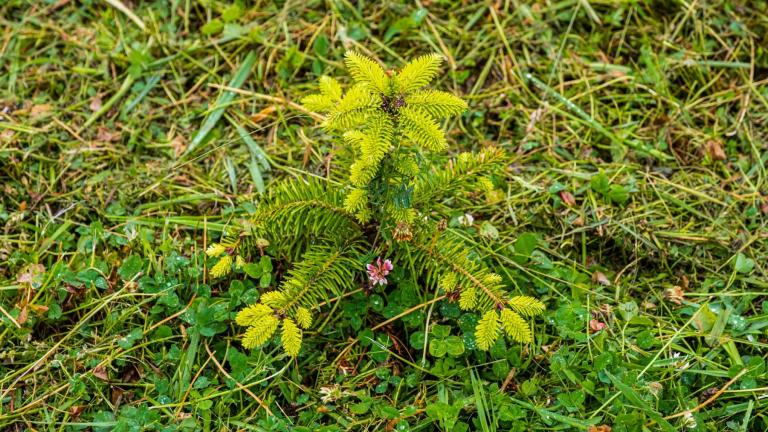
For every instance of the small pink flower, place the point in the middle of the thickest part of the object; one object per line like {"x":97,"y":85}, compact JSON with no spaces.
{"x":378,"y":271}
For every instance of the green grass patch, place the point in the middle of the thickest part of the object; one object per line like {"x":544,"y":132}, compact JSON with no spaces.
{"x":633,"y":202}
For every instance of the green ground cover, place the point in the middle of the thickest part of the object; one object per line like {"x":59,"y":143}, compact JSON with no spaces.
{"x":633,"y":204}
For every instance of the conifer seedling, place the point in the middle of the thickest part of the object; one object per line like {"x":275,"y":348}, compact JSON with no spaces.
{"x":393,"y":206}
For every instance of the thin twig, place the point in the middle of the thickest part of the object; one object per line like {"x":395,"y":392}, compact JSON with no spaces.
{"x":711,"y":399}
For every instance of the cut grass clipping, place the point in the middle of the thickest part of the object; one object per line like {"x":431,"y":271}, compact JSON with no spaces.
{"x":628,"y":195}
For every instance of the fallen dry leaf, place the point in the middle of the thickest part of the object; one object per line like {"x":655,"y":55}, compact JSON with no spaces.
{"x":76,"y":410}
{"x":604,"y":312}
{"x":567,"y":198}
{"x":596,"y":325}
{"x":708,"y":393}
{"x":95,"y":104}
{"x":179,"y":145}
{"x":23,"y":314}
{"x":100,"y":372}
{"x":38,"y":309}
{"x":675,"y":295}
{"x":32,"y":275}
{"x":38,"y":111}
{"x":599,"y":277}
{"x":263,"y":114}
{"x":117,"y":396}
{"x":6,"y":135}
{"x":535,"y":117}
{"x":105,"y":135}
{"x":715,"y":150}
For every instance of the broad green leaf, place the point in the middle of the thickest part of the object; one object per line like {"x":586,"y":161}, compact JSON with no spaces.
{"x":131,"y":267}
{"x":600,"y":183}
{"x":639,"y":402}
{"x":743,"y":264}
{"x":524,"y":246}
{"x":437,"y":348}
{"x":253,"y":270}
{"x":440,"y":331}
{"x":212,"y":27}
{"x":454,"y":346}
{"x":618,"y":194}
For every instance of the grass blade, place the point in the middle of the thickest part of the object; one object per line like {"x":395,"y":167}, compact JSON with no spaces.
{"x":572,"y":107}
{"x":223,"y":100}
{"x":259,"y":160}
{"x":258,"y":179}
{"x":117,"y":4}
{"x":636,"y":400}
{"x":108,"y":105}
{"x":256,"y":151}
{"x":151,"y":83}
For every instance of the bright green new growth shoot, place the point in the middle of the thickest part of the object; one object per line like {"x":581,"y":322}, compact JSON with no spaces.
{"x":393,"y":205}
{"x":385,"y":115}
